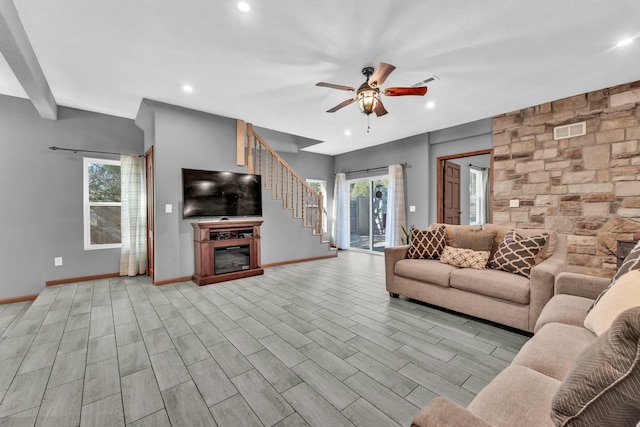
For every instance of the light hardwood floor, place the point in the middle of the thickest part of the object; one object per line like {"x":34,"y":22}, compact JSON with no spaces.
{"x":317,"y":343}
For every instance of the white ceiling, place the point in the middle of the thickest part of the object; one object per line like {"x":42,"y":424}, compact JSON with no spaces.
{"x":491,"y":57}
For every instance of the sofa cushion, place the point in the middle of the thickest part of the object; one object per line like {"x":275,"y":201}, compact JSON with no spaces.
{"x":477,"y":240}
{"x":517,"y":396}
{"x":602,"y":387}
{"x":492,"y":283}
{"x":562,"y":308}
{"x":427,"y":244}
{"x":631,"y":262}
{"x":546,"y":251}
{"x":517,"y":254}
{"x":425,"y":270}
{"x":554,"y":348}
{"x":465,"y":258}
{"x":450,"y":230}
{"x":624,"y":294}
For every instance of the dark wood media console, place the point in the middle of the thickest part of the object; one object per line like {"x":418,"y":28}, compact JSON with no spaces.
{"x":226,"y":250}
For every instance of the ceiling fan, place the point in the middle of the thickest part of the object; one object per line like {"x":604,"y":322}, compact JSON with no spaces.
{"x":368,"y":94}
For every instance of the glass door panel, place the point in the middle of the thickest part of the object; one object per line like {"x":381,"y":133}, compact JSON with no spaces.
{"x":359,"y":215}
{"x":379,"y":189}
{"x":368,"y":213}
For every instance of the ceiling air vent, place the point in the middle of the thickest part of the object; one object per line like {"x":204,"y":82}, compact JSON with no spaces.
{"x":569,"y":131}
{"x":425,"y":81}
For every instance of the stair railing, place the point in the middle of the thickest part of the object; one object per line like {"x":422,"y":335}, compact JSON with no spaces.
{"x":285,"y":184}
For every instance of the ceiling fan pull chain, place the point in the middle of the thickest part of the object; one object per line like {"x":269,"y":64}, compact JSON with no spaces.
{"x":368,"y":122}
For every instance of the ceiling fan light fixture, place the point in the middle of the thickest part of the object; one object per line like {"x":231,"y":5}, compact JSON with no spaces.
{"x":368,"y":100}
{"x":368,"y":94}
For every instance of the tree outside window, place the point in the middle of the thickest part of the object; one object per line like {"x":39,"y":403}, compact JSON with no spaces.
{"x":102,"y":203}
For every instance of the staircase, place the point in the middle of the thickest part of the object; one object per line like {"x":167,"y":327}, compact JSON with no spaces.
{"x":284,"y":184}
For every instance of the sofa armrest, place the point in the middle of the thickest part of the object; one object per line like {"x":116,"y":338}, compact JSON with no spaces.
{"x":443,"y":412}
{"x":580,"y":285}
{"x":391,"y":256}
{"x":543,"y":278}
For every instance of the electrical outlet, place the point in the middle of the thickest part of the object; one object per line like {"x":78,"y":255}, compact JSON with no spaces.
{"x":514,"y":203}
{"x":57,"y":261}
{"x":168,"y":208}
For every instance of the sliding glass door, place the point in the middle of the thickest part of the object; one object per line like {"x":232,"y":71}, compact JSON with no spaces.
{"x":368,"y":213}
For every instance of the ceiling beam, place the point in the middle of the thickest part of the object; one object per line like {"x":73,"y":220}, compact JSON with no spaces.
{"x":18,"y":52}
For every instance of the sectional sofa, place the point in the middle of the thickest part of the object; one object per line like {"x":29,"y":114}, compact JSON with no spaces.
{"x":566,"y":375}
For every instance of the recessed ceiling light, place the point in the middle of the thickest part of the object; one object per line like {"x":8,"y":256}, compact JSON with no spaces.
{"x":431,"y":104}
{"x":624,"y":42}
{"x":187,"y":88}
{"x":243,"y":6}
{"x":347,"y":132}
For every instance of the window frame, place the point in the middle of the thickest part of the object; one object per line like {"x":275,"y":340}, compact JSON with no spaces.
{"x":323,"y":186}
{"x":480,"y":201}
{"x":86,"y":211}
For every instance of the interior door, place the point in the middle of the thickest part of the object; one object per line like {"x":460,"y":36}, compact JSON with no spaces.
{"x":451,"y":193}
{"x":150,"y":214}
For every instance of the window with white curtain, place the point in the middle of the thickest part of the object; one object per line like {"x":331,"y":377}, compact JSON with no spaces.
{"x":477,"y":200}
{"x":102,"y":203}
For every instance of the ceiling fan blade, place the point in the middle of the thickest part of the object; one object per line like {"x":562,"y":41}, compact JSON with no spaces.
{"x":341,"y":105}
{"x":340,"y":87}
{"x":402,"y":91}
{"x":380,"y":110}
{"x":380,"y":75}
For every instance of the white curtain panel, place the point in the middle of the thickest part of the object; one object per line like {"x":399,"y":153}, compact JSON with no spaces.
{"x":133,"y":255}
{"x":396,"y":216}
{"x":486,"y":195}
{"x":340,"y":228}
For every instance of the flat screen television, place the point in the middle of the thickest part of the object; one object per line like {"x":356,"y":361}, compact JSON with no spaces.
{"x":215,"y":193}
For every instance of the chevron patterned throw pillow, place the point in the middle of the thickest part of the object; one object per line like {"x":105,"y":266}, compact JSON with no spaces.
{"x":517,"y":254}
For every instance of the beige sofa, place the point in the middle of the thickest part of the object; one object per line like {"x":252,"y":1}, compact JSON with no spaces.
{"x":494,"y":295}
{"x":522,"y":394}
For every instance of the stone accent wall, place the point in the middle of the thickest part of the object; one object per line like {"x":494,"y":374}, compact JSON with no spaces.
{"x":587,"y":186}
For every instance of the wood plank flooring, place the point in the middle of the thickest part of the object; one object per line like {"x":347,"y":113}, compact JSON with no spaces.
{"x":317,"y":343}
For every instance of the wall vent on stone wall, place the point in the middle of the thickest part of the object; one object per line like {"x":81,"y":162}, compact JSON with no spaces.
{"x":569,"y":131}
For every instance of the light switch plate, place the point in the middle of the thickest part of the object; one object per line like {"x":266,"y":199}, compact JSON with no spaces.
{"x":412,"y":208}
{"x":168,"y":208}
{"x":514,"y":203}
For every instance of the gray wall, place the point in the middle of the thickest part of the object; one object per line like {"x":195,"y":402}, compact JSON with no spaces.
{"x":41,"y":193}
{"x":421,"y":153}
{"x":186,"y":138}
{"x":414,"y":151}
{"x":42,"y":189}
